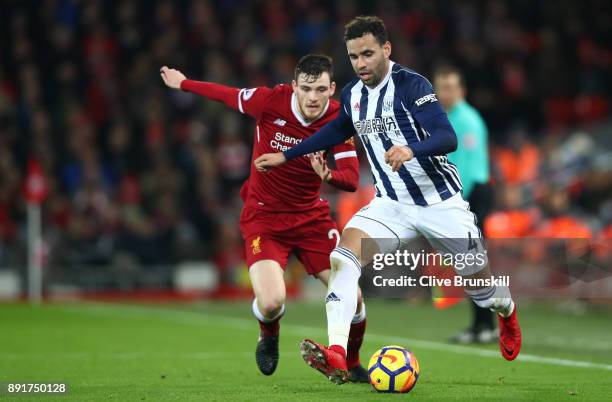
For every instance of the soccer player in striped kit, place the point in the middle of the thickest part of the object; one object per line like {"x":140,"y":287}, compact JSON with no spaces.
{"x":283,"y":212}
{"x":406,"y":135}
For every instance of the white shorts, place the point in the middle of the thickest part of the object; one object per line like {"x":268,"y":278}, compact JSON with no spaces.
{"x":449,"y":226}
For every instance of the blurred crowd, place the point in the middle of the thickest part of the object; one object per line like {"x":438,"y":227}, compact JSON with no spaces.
{"x":141,"y":172}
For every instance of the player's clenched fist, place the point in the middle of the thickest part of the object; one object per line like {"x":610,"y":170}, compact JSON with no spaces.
{"x":397,"y":155}
{"x":172,"y":77}
{"x":267,"y":161}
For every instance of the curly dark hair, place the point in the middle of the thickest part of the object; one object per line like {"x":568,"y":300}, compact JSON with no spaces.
{"x":363,"y":25}
{"x":313,"y":65}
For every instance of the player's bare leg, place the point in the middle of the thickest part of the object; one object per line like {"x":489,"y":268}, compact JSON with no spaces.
{"x":341,"y":304}
{"x":268,"y":307}
{"x":357,"y":373}
{"x":498,"y":299}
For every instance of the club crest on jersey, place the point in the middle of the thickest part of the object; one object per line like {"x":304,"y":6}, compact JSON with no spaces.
{"x":388,"y":103}
{"x":256,"y":245}
{"x":280,"y":122}
{"x":431,"y":98}
{"x":356,"y":107}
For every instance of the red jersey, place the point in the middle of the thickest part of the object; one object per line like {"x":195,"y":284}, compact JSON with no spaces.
{"x":295,"y":186}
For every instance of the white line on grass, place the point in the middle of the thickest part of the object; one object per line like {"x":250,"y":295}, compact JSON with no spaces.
{"x":201,"y":318}
{"x":122,"y":355}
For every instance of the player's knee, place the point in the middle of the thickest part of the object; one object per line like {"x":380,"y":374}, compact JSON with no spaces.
{"x":351,"y":240}
{"x":272,"y":305}
{"x":342,"y":256}
{"x":335,"y":260}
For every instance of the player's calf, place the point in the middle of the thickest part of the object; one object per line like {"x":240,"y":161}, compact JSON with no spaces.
{"x":266,"y":352}
{"x":355,"y":338}
{"x":357,"y":373}
{"x":341,"y":299}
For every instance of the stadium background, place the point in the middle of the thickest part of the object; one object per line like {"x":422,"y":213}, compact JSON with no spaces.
{"x":143,"y":179}
{"x":143,"y":183}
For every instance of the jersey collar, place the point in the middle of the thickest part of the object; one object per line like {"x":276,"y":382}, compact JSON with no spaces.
{"x":296,"y":111}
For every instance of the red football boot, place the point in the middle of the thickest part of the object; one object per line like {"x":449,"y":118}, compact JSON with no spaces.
{"x":509,"y":336}
{"x":329,"y":362}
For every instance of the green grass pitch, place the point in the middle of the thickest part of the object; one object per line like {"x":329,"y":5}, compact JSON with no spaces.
{"x":205,"y":352}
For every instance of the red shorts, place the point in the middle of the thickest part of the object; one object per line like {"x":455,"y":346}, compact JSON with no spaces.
{"x":311,"y":235}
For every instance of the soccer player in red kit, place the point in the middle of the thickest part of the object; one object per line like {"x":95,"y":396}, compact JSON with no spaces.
{"x":283,"y":212}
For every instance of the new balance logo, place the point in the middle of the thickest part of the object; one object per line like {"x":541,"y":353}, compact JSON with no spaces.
{"x":280,"y":122}
{"x":331,"y":297}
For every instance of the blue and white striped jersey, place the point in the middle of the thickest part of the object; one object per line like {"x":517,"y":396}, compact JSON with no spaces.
{"x":393,"y":113}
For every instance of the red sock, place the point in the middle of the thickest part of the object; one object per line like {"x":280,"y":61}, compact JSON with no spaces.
{"x":338,"y":349}
{"x":354,"y":343}
{"x":270,"y":328}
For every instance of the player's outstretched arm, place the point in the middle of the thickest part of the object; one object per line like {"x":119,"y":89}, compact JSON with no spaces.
{"x":250,"y":101}
{"x":333,"y":133}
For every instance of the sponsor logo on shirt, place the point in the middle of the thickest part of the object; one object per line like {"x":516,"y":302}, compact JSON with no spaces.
{"x":431,"y":98}
{"x":356,"y":107}
{"x":283,"y":142}
{"x":379,"y":128}
{"x":376,"y":125}
{"x":280,"y":122}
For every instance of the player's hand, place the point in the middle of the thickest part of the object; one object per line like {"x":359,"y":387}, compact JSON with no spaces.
{"x":319,"y":165}
{"x":266,"y":161}
{"x":172,"y":77}
{"x":397,"y":155}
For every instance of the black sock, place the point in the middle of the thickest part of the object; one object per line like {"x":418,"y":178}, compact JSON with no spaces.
{"x":482,"y":317}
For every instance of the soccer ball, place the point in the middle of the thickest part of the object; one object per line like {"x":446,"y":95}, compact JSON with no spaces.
{"x":393,"y":369}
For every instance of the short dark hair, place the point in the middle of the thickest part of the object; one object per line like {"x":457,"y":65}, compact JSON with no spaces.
{"x":363,"y":25}
{"x":447,"y":69}
{"x":313,"y":65}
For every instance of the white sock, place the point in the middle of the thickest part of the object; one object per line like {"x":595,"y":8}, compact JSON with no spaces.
{"x":258,"y":314}
{"x":341,"y":300}
{"x":495,"y":298}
